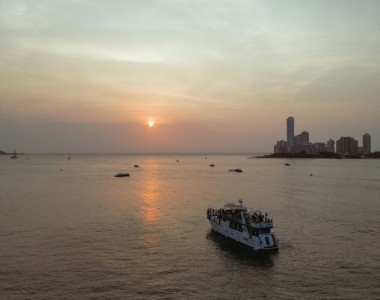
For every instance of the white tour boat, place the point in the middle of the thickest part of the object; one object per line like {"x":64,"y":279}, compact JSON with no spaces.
{"x":249,"y":227}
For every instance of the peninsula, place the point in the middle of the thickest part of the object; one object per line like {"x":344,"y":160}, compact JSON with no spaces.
{"x":301,"y":155}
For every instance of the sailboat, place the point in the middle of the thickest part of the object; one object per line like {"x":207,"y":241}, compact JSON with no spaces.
{"x":68,"y":157}
{"x":14,"y":154}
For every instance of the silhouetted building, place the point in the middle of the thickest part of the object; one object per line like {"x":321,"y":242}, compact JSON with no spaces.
{"x":366,"y":144}
{"x":302,"y":138}
{"x":360,"y":150}
{"x":281,"y":147}
{"x":302,"y":143}
{"x":330,"y":146}
{"x":290,"y":131}
{"x":319,"y":147}
{"x":347,"y":146}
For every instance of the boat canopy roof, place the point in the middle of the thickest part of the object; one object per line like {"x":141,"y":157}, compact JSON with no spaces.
{"x":233,"y":206}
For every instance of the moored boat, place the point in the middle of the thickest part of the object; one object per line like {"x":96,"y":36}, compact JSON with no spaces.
{"x":249,"y":227}
{"x":122,"y":175}
{"x":14,"y":156}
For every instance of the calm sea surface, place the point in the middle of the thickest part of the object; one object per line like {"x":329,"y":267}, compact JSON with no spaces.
{"x":70,"y":230}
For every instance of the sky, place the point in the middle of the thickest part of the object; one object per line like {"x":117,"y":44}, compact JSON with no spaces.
{"x":215,"y":76}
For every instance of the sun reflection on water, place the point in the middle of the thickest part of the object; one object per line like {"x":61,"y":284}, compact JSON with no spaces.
{"x":149,"y":196}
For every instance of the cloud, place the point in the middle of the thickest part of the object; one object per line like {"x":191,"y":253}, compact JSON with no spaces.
{"x":344,"y":84}
{"x":214,"y":62}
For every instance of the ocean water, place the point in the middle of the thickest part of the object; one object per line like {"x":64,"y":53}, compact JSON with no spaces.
{"x":70,"y":230}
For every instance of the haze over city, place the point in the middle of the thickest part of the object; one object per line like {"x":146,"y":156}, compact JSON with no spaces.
{"x":213,"y":76}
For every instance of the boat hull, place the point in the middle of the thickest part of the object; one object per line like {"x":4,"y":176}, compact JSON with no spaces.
{"x":262,"y":242}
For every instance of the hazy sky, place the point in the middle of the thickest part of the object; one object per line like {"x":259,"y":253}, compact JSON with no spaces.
{"x":87,"y":75}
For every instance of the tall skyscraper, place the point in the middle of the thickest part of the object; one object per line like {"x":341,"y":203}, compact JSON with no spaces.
{"x":366,"y":144}
{"x":290,"y":131}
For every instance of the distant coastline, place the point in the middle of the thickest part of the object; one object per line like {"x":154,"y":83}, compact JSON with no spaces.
{"x":8,"y":153}
{"x":325,"y":155}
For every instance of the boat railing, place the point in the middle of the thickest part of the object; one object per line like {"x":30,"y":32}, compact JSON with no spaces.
{"x":268,"y":224}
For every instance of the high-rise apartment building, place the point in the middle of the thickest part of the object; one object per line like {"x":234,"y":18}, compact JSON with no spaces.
{"x":319,"y":147}
{"x":366,"y":144}
{"x":302,"y":143}
{"x":330,"y":146}
{"x":347,"y":146}
{"x":302,"y":138}
{"x":290,"y":131}
{"x":281,"y":147}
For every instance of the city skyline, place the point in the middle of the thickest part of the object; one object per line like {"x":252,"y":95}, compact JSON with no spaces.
{"x":301,"y":143}
{"x":214,"y":76}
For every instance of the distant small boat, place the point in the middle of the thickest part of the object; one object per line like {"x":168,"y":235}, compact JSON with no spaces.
{"x":136,"y":166}
{"x":236,"y":170}
{"x":14,"y":156}
{"x":68,"y":156}
{"x":287,"y":164}
{"x":177,"y":160}
{"x":212,"y":165}
{"x":122,"y":175}
{"x":311,"y":174}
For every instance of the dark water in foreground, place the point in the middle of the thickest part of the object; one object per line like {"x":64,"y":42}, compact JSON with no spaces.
{"x":70,"y":230}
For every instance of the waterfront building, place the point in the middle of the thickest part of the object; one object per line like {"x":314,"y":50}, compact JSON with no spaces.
{"x":366,"y":144}
{"x":302,"y":138}
{"x":319,"y":147}
{"x":360,"y":150}
{"x":281,"y":147}
{"x":347,"y":146}
{"x":330,"y":146}
{"x":306,"y":148}
{"x":290,"y":132}
{"x":302,"y":143}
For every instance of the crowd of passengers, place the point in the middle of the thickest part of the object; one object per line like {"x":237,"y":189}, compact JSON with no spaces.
{"x":235,"y":215}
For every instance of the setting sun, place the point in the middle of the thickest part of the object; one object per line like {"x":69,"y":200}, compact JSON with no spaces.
{"x":151,"y":123}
